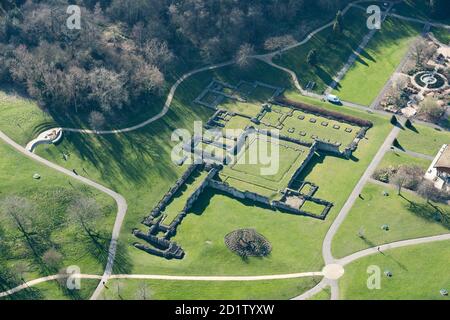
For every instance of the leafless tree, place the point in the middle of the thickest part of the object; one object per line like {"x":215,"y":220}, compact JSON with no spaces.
{"x":431,"y":109}
{"x":96,"y":120}
{"x":277,"y":43}
{"x":52,"y":258}
{"x":243,"y":55}
{"x":84,"y":212}
{"x":428,"y":191}
{"x":20,"y":214}
{"x":143,"y":292}
{"x":422,"y":51}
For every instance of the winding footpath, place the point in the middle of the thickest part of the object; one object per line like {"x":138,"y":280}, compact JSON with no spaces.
{"x":122,"y":205}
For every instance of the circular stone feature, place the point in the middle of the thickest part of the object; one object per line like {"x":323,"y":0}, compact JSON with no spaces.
{"x":333,"y":271}
{"x":248,"y":243}
{"x":430,"y":80}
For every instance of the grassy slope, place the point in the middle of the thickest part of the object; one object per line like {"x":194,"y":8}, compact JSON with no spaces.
{"x":325,"y":294}
{"x":423,"y":139}
{"x":395,"y":159}
{"x":416,"y":9}
{"x":51,"y":290}
{"x":204,"y":290}
{"x":419,"y":272}
{"x":443,"y":35}
{"x":405,"y":220}
{"x":332,"y":53}
{"x":51,"y":195}
{"x":368,"y":75}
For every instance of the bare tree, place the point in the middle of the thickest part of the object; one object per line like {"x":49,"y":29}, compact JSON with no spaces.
{"x":431,"y":109}
{"x":243,"y":55}
{"x":428,"y":191}
{"x":143,"y":292}
{"x":84,"y":212}
{"x":399,"y":179}
{"x":277,"y":43}
{"x":52,"y":258}
{"x":96,"y":120}
{"x":421,"y":51}
{"x":21,"y":214}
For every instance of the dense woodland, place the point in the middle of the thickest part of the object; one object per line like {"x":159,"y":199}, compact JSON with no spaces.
{"x":128,"y":50}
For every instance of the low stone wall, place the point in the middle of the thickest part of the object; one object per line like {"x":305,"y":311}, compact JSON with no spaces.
{"x":305,"y":162}
{"x":162,"y":204}
{"x":224,"y":187}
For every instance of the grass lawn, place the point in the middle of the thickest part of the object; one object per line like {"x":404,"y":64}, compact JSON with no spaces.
{"x":372,"y":70}
{"x":332,"y":52}
{"x":50,"y":197}
{"x":395,"y":159}
{"x":21,"y":119}
{"x":317,"y":129}
{"x":249,"y":109}
{"x":52,"y":290}
{"x":325,"y":294}
{"x":206,"y":290}
{"x":442,"y":34}
{"x":423,"y":139}
{"x":287,"y":159}
{"x":419,"y":272}
{"x":174,"y":208}
{"x":408,"y":216}
{"x":416,"y":9}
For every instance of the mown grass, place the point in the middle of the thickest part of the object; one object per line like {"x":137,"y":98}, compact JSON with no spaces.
{"x":50,"y":197}
{"x":363,"y":82}
{"x":418,"y":272}
{"x":208,"y":290}
{"x":407,"y":215}
{"x":396,"y":158}
{"x":423,"y":139}
{"x":333,"y":51}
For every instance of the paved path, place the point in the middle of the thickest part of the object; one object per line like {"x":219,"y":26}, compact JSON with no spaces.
{"x":326,"y":248}
{"x":351,"y":60}
{"x":161,"y":277}
{"x":398,"y":244}
{"x":120,"y":201}
{"x":320,"y":286}
{"x":414,"y":154}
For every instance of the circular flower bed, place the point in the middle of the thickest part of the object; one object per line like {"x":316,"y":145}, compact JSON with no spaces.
{"x":248,"y":243}
{"x":430,"y":80}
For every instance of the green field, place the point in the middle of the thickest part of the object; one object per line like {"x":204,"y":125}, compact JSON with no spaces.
{"x":417,"y":9}
{"x":418,"y":272}
{"x":49,"y":198}
{"x":285,"y":156}
{"x":396,"y":158}
{"x":380,"y":58}
{"x":423,"y":139}
{"x":325,"y":294}
{"x":206,"y":290}
{"x":332,"y":51}
{"x":408,"y":216}
{"x":443,"y":35}
{"x":53,"y":290}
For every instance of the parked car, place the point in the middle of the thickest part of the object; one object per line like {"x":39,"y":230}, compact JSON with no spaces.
{"x":333,"y":99}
